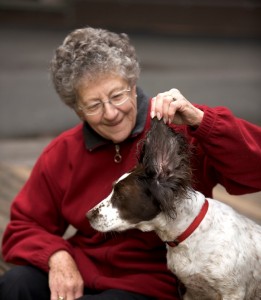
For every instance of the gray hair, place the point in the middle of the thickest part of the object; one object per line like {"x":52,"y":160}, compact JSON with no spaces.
{"x":89,"y":53}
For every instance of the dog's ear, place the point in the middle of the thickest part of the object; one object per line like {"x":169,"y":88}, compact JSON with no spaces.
{"x":164,"y":155}
{"x":164,"y":152}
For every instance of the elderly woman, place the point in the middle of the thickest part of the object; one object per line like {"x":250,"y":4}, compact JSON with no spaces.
{"x":95,"y":72}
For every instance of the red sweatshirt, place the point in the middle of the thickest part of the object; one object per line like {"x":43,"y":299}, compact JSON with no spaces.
{"x":76,"y":171}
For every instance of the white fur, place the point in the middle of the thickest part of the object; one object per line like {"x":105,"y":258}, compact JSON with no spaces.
{"x":220,"y":260}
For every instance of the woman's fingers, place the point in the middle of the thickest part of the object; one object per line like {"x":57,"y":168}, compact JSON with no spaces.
{"x":65,"y":279}
{"x":173,"y":107}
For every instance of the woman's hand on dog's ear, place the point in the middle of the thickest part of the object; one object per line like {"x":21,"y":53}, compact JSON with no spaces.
{"x":173,"y":107}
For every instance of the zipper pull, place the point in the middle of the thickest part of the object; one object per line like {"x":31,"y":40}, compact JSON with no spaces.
{"x":117,"y":157}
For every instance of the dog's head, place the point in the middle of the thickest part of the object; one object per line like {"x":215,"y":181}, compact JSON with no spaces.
{"x":160,"y":180}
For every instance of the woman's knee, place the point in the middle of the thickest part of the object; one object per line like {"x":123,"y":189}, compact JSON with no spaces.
{"x":24,"y":282}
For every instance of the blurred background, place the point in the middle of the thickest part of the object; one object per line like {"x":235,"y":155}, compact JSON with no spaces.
{"x":209,"y":49}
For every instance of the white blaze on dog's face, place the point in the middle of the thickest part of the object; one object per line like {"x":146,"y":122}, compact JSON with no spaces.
{"x":104,"y":217}
{"x":128,"y":206}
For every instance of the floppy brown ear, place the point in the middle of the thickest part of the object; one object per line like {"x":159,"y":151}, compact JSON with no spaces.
{"x":164,"y":158}
{"x":164,"y":151}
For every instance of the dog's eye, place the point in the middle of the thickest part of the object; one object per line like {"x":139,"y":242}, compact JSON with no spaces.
{"x":115,"y":200}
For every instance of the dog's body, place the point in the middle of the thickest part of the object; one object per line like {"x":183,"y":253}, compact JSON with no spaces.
{"x":220,"y":258}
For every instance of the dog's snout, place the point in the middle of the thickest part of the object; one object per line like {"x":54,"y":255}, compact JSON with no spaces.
{"x":93,"y":214}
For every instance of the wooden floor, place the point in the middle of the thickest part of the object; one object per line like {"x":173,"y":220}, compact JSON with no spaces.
{"x":11,"y":180}
{"x":13,"y":176}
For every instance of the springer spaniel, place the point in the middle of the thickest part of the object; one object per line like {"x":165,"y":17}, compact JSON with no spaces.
{"x":212,"y":249}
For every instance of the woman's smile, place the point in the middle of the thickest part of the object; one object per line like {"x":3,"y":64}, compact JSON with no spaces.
{"x":113,"y":122}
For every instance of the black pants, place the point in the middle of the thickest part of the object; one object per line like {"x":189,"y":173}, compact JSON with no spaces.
{"x":29,"y":283}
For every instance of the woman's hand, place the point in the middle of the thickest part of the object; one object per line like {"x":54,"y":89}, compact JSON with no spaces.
{"x":173,"y":107}
{"x":65,"y":280}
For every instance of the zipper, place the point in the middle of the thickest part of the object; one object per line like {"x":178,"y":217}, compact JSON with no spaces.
{"x":117,"y":156}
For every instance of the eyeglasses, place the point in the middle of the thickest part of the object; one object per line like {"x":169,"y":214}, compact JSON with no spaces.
{"x":97,"y":107}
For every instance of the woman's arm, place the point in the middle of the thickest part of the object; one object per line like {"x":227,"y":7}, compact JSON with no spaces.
{"x":231,"y":146}
{"x":36,"y":227}
{"x":34,"y":234}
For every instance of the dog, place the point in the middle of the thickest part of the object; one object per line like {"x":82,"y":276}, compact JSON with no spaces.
{"x":213,"y":250}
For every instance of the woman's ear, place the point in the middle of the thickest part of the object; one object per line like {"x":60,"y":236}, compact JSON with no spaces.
{"x":79,"y":113}
{"x":134,"y":92}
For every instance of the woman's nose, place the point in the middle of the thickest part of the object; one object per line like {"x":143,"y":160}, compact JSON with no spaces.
{"x":109,"y":110}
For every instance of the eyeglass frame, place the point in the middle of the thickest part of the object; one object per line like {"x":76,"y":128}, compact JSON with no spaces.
{"x":82,"y":108}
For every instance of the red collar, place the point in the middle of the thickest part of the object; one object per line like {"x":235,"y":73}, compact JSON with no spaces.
{"x":193,"y":226}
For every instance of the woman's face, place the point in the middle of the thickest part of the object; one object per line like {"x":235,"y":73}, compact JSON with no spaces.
{"x":112,"y":122}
